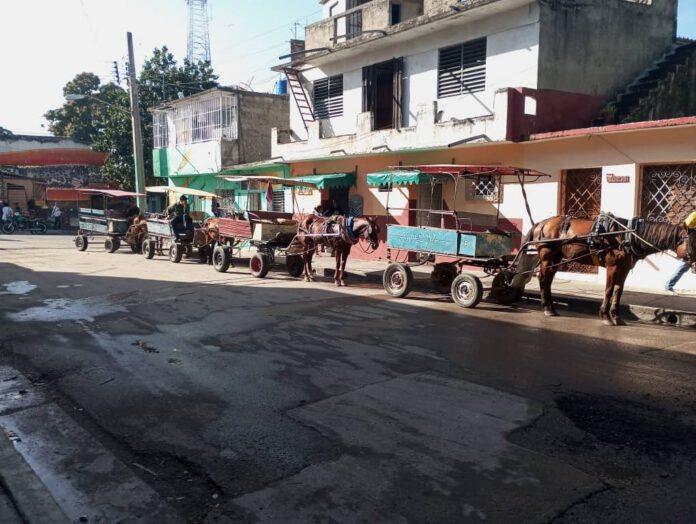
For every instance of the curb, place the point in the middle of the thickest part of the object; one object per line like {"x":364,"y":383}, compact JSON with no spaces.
{"x":634,"y":312}
{"x":28,"y":494}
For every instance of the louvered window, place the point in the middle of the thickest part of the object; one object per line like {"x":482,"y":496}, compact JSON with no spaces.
{"x":462,"y":69}
{"x":278,"y":203}
{"x":328,"y":97}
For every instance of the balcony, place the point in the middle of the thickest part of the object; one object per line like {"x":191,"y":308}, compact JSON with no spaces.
{"x":377,"y":19}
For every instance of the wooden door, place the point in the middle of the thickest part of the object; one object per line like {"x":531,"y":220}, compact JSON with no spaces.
{"x":581,"y":197}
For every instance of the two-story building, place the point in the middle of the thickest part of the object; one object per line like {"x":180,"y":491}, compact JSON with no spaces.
{"x":199,"y":136}
{"x":382,"y":83}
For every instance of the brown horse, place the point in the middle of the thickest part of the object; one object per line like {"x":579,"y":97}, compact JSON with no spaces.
{"x":340,"y":233}
{"x":610,"y":246}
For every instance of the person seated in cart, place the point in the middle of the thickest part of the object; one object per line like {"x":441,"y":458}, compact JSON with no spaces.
{"x":132,"y":212}
{"x":180,"y":218}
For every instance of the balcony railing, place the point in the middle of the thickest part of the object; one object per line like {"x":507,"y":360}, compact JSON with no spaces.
{"x":373,"y":17}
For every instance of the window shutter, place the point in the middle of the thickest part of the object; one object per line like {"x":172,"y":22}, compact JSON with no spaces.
{"x":328,"y":97}
{"x":462,"y":69}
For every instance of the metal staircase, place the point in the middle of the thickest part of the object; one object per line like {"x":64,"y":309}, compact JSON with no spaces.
{"x":300,"y":96}
{"x":650,"y":79}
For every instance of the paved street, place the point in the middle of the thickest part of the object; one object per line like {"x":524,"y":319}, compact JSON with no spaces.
{"x":145,"y":391}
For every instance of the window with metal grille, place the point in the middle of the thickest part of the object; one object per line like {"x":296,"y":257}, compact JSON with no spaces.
{"x":328,"y":97}
{"x":160,"y":129}
{"x":462,"y":69}
{"x":668,"y":192}
{"x":278,"y":203}
{"x":354,"y":24}
{"x":485,"y":188}
{"x":226,"y":198}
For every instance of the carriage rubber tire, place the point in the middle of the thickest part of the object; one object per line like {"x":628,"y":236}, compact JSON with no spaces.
{"x":294,"y":265}
{"x":148,"y":249}
{"x":442,"y":277}
{"x":259,"y":265}
{"x":467,"y":290}
{"x":42,"y":228}
{"x":112,"y":244}
{"x":502,"y":292}
{"x":221,"y":259}
{"x":81,"y":242}
{"x":8,"y":228}
{"x":176,"y":253}
{"x":397,"y":280}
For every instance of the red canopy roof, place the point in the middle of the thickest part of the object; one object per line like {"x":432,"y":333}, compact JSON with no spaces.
{"x":53,"y":157}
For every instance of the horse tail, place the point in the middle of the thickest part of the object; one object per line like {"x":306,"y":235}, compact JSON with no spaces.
{"x":527,"y":263}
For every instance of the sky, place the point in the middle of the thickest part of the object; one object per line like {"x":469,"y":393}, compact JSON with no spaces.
{"x":53,"y":40}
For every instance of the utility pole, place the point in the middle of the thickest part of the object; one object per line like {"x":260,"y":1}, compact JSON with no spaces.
{"x":137,"y":130}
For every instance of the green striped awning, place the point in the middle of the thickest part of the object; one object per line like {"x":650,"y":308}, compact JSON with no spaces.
{"x":398,"y":177}
{"x":329,"y":180}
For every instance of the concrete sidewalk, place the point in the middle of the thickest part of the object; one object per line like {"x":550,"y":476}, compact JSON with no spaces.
{"x":23,"y":497}
{"x":586,"y":297}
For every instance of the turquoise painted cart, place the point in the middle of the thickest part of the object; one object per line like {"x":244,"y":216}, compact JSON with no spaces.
{"x":489,"y":250}
{"x":106,"y":217}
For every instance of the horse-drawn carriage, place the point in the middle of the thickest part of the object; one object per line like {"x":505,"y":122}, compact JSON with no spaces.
{"x":106,"y":217}
{"x":450,"y":249}
{"x":270,"y":237}
{"x":162,"y":235}
{"x":607,"y":241}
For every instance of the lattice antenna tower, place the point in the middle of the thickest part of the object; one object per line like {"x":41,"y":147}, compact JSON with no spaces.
{"x":198,"y":33}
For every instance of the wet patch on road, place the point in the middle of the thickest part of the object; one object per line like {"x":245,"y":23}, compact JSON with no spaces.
{"x":20,"y":287}
{"x":643,"y":453}
{"x":646,"y":429}
{"x":61,"y":309}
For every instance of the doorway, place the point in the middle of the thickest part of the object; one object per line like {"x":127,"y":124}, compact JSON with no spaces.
{"x":581,"y":197}
{"x":341,"y":195}
{"x":383,"y":92}
{"x":429,"y":197}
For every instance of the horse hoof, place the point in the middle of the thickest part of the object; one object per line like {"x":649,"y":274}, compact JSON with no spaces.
{"x":343,"y":284}
{"x":618,"y":322}
{"x":607,"y":322}
{"x":550,"y":313}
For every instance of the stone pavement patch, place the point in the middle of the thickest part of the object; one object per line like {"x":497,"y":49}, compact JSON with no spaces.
{"x":412,"y":457}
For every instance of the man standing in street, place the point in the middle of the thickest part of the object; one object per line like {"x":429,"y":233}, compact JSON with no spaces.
{"x":56,"y":214}
{"x":683,"y":268}
{"x":6,"y":212}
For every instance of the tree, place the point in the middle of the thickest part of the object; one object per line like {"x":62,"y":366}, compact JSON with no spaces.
{"x":103,"y":118}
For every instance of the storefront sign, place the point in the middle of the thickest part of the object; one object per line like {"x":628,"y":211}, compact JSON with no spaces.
{"x":618,"y":179}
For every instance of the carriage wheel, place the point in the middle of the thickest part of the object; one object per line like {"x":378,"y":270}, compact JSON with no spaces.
{"x":467,"y":290}
{"x":398,"y":280}
{"x":111,"y":245}
{"x":40,"y":227}
{"x":259,"y":265}
{"x":148,"y":248}
{"x":295,"y":265}
{"x":221,"y":259}
{"x":9,"y":228}
{"x":442,"y":276}
{"x":81,"y":242}
{"x":176,"y":252}
{"x":502,"y":291}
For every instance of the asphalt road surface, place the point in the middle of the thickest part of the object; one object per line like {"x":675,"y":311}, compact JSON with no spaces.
{"x":145,"y":391}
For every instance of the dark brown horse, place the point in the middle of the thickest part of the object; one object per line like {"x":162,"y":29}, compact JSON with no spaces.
{"x":609,"y":247}
{"x":340,"y":233}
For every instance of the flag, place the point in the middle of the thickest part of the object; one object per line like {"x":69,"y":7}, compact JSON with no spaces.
{"x":269,"y":197}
